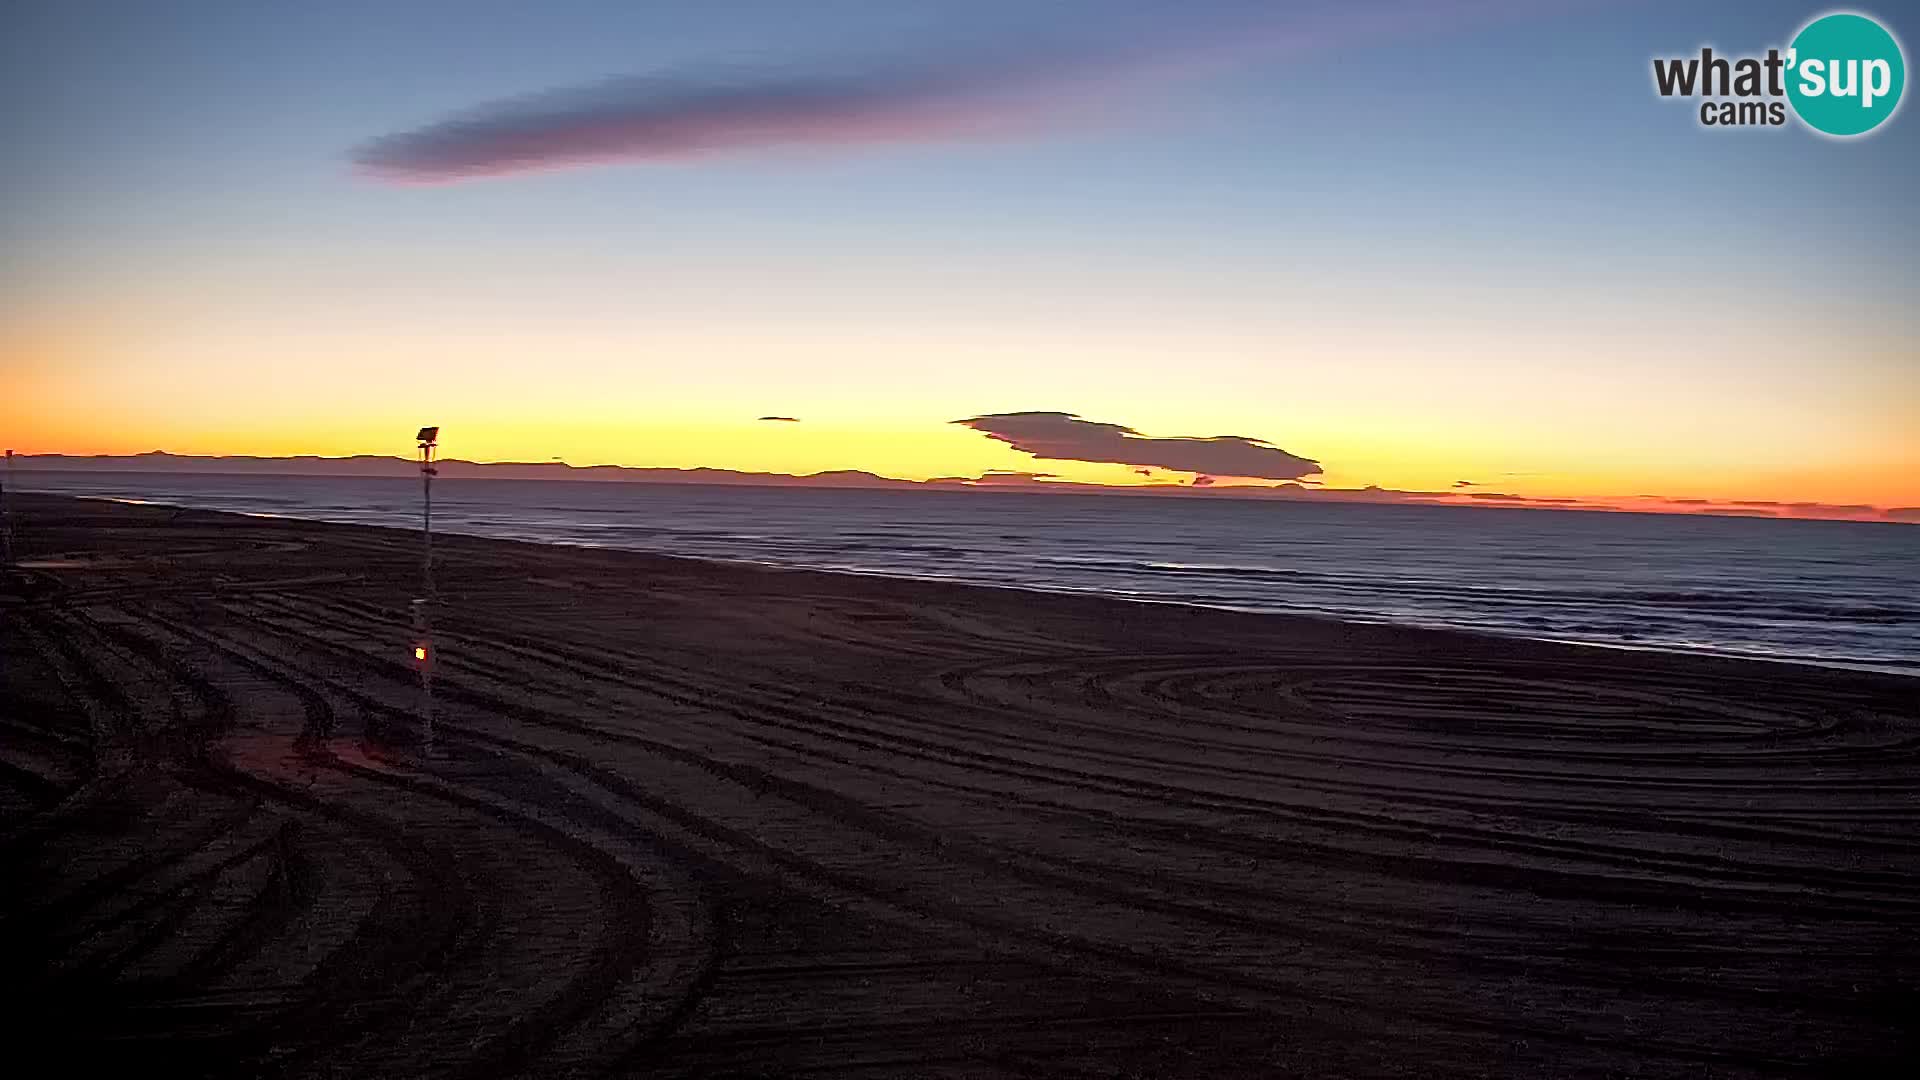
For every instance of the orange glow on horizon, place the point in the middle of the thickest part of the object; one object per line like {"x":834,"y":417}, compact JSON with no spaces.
{"x":82,"y":395}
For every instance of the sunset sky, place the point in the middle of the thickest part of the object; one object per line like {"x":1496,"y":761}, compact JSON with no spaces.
{"x":1416,"y":244}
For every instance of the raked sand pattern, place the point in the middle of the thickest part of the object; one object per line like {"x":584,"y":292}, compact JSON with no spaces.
{"x":694,"y":819}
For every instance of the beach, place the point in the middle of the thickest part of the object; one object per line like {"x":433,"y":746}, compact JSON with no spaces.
{"x":688,"y":818}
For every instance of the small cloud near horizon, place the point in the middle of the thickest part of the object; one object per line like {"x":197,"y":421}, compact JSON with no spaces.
{"x":1061,"y":436}
{"x":1012,"y":476}
{"x":782,"y":419}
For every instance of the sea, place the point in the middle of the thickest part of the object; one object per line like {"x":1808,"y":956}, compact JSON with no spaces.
{"x":1828,"y":592}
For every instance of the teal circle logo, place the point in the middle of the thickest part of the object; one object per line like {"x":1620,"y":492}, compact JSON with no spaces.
{"x":1845,"y":74}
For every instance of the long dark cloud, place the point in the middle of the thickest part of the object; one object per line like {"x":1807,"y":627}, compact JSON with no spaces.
{"x":1059,"y":436}
{"x":676,"y":117}
{"x":956,"y":93}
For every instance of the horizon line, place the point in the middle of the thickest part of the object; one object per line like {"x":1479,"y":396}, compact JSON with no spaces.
{"x":395,"y":466}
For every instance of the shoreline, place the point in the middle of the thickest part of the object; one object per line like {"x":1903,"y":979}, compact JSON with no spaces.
{"x":1908,"y":670}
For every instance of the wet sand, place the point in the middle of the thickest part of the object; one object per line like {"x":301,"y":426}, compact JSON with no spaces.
{"x":690,"y":819}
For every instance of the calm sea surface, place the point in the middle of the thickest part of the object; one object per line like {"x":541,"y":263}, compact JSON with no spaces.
{"x":1834,"y":592}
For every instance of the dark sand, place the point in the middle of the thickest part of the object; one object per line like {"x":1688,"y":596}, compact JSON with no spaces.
{"x":692,"y":819}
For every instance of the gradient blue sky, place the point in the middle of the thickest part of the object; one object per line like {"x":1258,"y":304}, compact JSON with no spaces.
{"x":1468,"y":246}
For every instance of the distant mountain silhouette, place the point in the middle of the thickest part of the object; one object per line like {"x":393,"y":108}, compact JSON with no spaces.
{"x":159,"y":461}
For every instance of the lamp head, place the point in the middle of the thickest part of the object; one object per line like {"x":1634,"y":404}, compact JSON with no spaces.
{"x":428,"y":436}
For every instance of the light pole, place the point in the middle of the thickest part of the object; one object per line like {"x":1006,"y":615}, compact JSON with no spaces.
{"x":423,"y":652}
{"x":6,"y":510}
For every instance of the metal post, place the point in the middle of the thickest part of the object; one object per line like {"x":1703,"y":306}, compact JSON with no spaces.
{"x":6,"y":511}
{"x":426,"y":520}
{"x":424,"y":652}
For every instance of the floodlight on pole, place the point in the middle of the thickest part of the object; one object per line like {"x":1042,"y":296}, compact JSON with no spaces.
{"x":423,"y":652}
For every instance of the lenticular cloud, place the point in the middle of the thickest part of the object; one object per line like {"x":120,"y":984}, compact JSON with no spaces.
{"x":1058,"y":436}
{"x":663,"y":119}
{"x":956,"y":94}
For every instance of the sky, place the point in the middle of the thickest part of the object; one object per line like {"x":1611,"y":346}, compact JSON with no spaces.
{"x":1414,"y":246}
